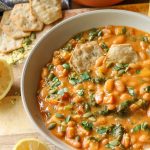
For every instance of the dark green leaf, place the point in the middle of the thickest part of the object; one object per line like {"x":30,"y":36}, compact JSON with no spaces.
{"x":78,"y":36}
{"x":104,"y":47}
{"x":55,"y":82}
{"x":50,"y":67}
{"x":59,"y":115}
{"x":87,"y":125}
{"x":68,"y":118}
{"x":94,"y":139}
{"x":66,"y":66}
{"x":103,"y":130}
{"x":113,"y":144}
{"x":138,"y":71}
{"x":124,"y":30}
{"x":85,"y":76}
{"x":144,"y":39}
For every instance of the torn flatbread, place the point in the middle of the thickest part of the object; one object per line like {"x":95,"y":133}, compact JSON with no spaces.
{"x":122,"y":53}
{"x":10,"y":28}
{"x":85,"y":55}
{"x":47,"y":11}
{"x":21,"y":15}
{"x":8,"y":44}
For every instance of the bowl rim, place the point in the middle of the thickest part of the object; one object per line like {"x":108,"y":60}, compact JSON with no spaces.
{"x":48,"y":138}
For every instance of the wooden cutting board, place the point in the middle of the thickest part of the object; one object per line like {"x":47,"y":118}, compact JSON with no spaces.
{"x":10,"y":129}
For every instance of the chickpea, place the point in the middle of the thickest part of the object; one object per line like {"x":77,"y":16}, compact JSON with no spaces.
{"x":44,"y":73}
{"x":111,"y":106}
{"x":106,"y":36}
{"x":99,"y":61}
{"x":109,"y":85}
{"x":119,"y":85}
{"x":91,"y":86}
{"x":106,"y":31}
{"x":81,"y":131}
{"x":70,"y":132}
{"x":134,"y":107}
{"x":86,"y":143}
{"x":126,"y":140}
{"x":120,"y":39}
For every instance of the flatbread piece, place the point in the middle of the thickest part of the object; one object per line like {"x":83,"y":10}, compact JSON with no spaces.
{"x":8,"y":44}
{"x":21,"y":15}
{"x":85,"y":55}
{"x":47,"y":11}
{"x":122,"y":53}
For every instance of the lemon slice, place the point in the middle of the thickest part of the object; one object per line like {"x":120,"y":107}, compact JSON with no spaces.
{"x":6,"y":78}
{"x":30,"y":144}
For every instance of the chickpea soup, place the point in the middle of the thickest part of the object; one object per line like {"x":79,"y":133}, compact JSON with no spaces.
{"x":95,"y":93}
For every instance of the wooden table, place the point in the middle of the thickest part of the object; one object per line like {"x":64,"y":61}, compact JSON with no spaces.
{"x":10,"y":133}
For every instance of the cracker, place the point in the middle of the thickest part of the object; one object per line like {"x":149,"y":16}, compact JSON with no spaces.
{"x":47,"y":11}
{"x":8,"y":44}
{"x":84,"y":56}
{"x":122,"y":53}
{"x":10,"y":28}
{"x":21,"y":15}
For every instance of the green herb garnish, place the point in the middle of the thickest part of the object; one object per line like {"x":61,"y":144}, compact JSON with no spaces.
{"x":87,"y":125}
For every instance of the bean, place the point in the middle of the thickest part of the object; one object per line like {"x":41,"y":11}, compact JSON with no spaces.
{"x":100,"y":121}
{"x":126,"y":140}
{"x":143,"y":45}
{"x":142,"y":55}
{"x":119,"y":85}
{"x":56,"y":61}
{"x":99,"y":98}
{"x":137,"y":146}
{"x":134,"y":66}
{"x":109,"y":84}
{"x":134,"y":107}
{"x":105,"y":141}
{"x":77,"y":99}
{"x":73,"y":142}
{"x":125,"y":97}
{"x":99,"y":61}
{"x":71,"y":124}
{"x":81,"y":131}
{"x":144,"y":138}
{"x":91,"y":86}
{"x":120,"y":39}
{"x":93,"y":146}
{"x":109,"y":99}
{"x":70,"y":132}
{"x":60,"y":71}
{"x":146,"y":96}
{"x":148,"y":112}
{"x":44,"y":92}
{"x":86,"y":143}
{"x":111,"y":106}
{"x":52,"y":125}
{"x":44,"y":73}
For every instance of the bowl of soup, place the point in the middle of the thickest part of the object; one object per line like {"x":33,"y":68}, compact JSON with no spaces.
{"x":97,"y":3}
{"x":86,"y":83}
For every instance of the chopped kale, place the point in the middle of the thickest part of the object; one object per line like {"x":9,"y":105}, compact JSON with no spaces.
{"x":62,"y":91}
{"x":55,"y":82}
{"x":94,"y":139}
{"x":112,"y":144}
{"x":104,"y":47}
{"x":87,"y":125}
{"x":131,"y":91}
{"x":78,"y":36}
{"x":85,"y":76}
{"x":143,"y":126}
{"x":80,"y":92}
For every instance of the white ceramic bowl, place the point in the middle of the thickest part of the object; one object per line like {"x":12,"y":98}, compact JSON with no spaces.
{"x":53,"y":40}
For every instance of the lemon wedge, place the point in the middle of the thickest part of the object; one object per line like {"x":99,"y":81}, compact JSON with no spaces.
{"x":30,"y":144}
{"x":6,"y":78}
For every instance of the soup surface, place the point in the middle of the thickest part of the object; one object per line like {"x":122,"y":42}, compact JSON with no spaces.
{"x":95,"y":93}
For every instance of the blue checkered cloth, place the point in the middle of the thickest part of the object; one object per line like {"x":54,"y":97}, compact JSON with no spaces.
{"x":8,"y":4}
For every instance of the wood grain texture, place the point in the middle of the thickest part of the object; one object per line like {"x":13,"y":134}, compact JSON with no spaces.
{"x":7,"y":141}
